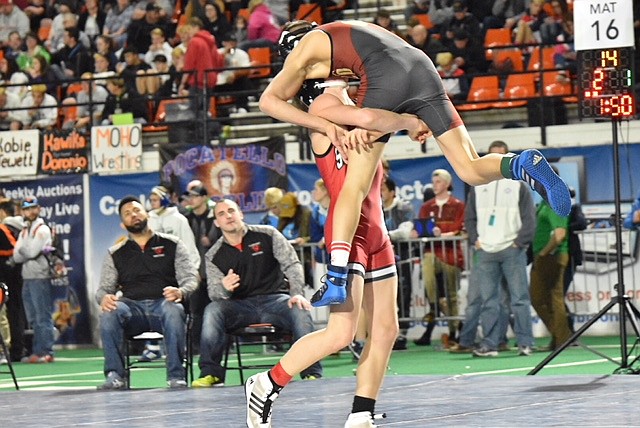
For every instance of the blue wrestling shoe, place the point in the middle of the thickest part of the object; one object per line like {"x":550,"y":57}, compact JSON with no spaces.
{"x":532,"y":168}
{"x":334,"y":289}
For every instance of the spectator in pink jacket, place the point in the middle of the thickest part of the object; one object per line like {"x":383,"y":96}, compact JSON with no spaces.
{"x":263,"y":30}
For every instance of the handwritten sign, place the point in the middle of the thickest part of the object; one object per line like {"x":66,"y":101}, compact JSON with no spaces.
{"x":116,"y":148}
{"x":19,"y":153}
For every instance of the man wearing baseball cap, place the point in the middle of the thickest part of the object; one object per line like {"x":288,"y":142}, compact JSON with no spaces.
{"x":34,"y":238}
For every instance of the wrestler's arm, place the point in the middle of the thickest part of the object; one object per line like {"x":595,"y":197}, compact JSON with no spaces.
{"x":372,"y":123}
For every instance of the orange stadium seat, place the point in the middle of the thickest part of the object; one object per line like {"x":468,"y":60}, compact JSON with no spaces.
{"x":496,"y":37}
{"x":483,"y":88}
{"x":518,"y":86}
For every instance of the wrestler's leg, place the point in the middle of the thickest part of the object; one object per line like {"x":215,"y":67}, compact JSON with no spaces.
{"x":382,"y":325}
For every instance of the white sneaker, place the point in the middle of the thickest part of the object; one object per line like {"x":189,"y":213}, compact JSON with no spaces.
{"x":362,"y":420}
{"x":3,"y":359}
{"x":260,"y":393}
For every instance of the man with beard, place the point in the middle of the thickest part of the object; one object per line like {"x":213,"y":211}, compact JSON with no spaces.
{"x":143,"y":281}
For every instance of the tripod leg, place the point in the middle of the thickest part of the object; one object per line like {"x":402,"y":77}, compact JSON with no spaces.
{"x":577,"y":334}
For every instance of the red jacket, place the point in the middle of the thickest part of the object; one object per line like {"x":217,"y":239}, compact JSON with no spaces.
{"x":202,"y":54}
{"x":450,"y":219}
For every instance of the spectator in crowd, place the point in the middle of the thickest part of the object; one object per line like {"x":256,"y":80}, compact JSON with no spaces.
{"x":60,"y":24}
{"x":443,"y":257}
{"x":319,"y":211}
{"x":102,"y":72}
{"x":143,"y":290}
{"x":41,"y":73}
{"x":118,"y":19}
{"x":139,"y":31}
{"x":40,"y":13}
{"x":10,"y":274}
{"x":120,"y":100}
{"x":461,"y":20}
{"x":34,"y":240}
{"x":262,"y":29}
{"x":272,"y":197}
{"x":159,"y":45}
{"x":169,"y":84}
{"x":91,"y":20}
{"x":504,"y":14}
{"x":552,"y":27}
{"x":453,"y":79}
{"x":240,"y":29}
{"x":73,"y":58}
{"x":527,"y":29}
{"x":468,"y":53}
{"x":90,"y":99}
{"x":13,"y":47}
{"x":131,"y":68}
{"x":421,"y":39}
{"x":280,"y":10}
{"x":235,"y":80}
{"x":9,"y":119}
{"x":25,"y":59}
{"x":202,"y":55}
{"x":383,"y":19}
{"x":398,"y":217}
{"x":205,"y":232}
{"x":248,"y":286}
{"x":565,"y":56}
{"x":417,"y":7}
{"x":105,"y":47}
{"x":216,"y":22}
{"x":294,"y":219}
{"x":550,"y":259}
{"x":16,"y":78}
{"x":12,"y":18}
{"x":500,"y":221}
{"x":632,"y":220}
{"x":40,"y":110}
{"x":149,"y":81}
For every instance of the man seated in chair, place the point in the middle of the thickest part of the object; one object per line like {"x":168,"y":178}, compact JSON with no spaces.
{"x":143,"y":281}
{"x":246,"y":271}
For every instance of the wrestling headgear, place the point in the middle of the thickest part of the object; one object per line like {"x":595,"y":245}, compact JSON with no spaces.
{"x":312,"y":88}
{"x":163,"y":194}
{"x":291,"y":35}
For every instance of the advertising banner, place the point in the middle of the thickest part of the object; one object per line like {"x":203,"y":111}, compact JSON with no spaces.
{"x":62,"y":206}
{"x":239,"y":172}
{"x":19,"y":153}
{"x":116,"y":149}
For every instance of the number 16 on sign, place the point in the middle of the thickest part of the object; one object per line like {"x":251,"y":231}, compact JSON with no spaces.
{"x":603,"y":24}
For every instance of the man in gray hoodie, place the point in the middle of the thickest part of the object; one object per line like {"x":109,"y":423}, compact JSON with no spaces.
{"x":30,"y":249}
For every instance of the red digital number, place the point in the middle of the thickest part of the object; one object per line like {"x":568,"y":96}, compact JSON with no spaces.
{"x":617,"y":106}
{"x":596,"y":84}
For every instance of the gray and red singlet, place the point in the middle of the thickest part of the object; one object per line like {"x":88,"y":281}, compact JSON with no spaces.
{"x":393,"y":75}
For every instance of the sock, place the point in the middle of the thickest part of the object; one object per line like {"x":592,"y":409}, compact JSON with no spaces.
{"x":340,"y":251}
{"x":279,"y":377}
{"x":363,"y":404}
{"x":507,"y":166}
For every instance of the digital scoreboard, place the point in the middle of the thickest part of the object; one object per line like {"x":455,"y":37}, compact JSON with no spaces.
{"x":604,"y":41}
{"x":606,"y":83}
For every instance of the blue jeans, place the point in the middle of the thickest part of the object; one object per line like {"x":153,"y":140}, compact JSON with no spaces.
{"x":132,"y":317}
{"x":484,"y":306}
{"x":38,"y":305}
{"x":222,"y":316}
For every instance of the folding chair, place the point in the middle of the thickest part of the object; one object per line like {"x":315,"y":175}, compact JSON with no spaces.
{"x":4,"y":296}
{"x":131,"y":363}
{"x":251,"y":335}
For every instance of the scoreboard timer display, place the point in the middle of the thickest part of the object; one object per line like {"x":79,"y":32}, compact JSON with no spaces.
{"x":606,"y":83}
